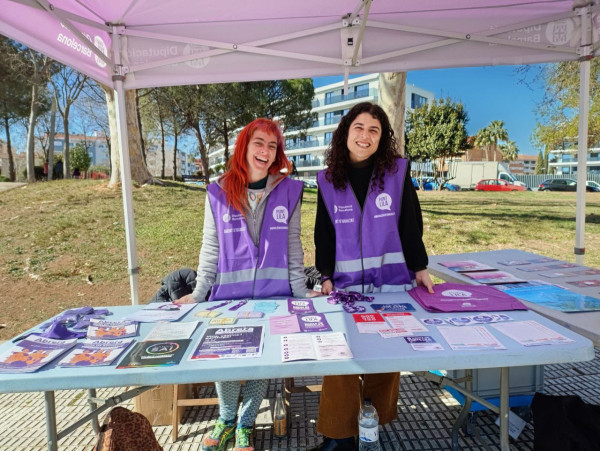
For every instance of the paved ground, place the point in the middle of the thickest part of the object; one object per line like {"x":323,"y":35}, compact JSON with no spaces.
{"x":425,"y":416}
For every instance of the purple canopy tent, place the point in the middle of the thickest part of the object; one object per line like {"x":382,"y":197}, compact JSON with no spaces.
{"x":129,"y":44}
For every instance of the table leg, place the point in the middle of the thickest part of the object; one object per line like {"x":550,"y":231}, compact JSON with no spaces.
{"x":93,"y":407}
{"x":51,"y":435}
{"x":504,"y":407}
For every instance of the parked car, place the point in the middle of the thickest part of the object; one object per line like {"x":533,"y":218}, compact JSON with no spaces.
{"x":563,"y":185}
{"x":309,"y":183}
{"x":592,"y":183}
{"x":497,"y":185}
{"x":431,"y":184}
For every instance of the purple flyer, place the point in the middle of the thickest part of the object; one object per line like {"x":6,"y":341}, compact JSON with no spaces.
{"x":313,"y":323}
{"x":300,"y":306}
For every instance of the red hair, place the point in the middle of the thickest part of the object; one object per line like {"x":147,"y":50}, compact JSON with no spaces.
{"x":235,"y":179}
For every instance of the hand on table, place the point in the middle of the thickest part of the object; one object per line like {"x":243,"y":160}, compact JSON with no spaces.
{"x":187,"y":299}
{"x":423,"y":279}
{"x":326,"y":287}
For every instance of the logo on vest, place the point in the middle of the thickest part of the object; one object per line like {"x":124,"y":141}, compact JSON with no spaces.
{"x":342,"y":209}
{"x":384,"y":201}
{"x":456,"y":294}
{"x":226,"y":217}
{"x":280,"y":214}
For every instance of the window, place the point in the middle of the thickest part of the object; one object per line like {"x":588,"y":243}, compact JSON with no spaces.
{"x":333,"y":117}
{"x":417,"y":101}
{"x":328,"y":136}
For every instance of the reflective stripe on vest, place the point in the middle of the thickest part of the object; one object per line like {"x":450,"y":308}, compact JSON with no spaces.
{"x":245,"y":270}
{"x":377,"y":263}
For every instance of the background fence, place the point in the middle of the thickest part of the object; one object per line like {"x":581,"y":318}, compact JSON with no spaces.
{"x":533,"y":181}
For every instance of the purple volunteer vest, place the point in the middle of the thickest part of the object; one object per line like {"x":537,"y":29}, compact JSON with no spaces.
{"x":245,"y":270}
{"x":377,"y":263}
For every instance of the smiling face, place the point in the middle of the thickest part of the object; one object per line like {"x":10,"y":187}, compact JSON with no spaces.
{"x":363,"y":137}
{"x":260,"y":154}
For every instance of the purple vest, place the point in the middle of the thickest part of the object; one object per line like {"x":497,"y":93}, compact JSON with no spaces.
{"x":245,"y":270}
{"x":368,"y":251}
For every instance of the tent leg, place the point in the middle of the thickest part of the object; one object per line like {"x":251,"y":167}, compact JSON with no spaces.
{"x":125,"y":171}
{"x":582,"y":141}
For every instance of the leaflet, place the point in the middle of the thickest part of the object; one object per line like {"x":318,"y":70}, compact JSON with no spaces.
{"x":155,"y":353}
{"x":32,"y":353}
{"x":467,"y":265}
{"x":329,"y":346}
{"x":424,"y":343}
{"x":95,"y":353}
{"x":160,"y":311}
{"x":400,"y":307}
{"x":404,"y":320}
{"x":369,"y":323}
{"x":469,"y":338}
{"x":100,"y":329}
{"x":493,"y":277}
{"x":167,"y":330}
{"x":229,"y":343}
{"x":300,"y":306}
{"x":585,"y":283}
{"x":289,"y":324}
{"x":531,"y":333}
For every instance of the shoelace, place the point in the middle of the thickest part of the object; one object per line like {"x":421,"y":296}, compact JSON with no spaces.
{"x":348,"y":299}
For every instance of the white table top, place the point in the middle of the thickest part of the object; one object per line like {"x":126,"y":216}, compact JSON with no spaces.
{"x":372,"y":354}
{"x":584,"y":323}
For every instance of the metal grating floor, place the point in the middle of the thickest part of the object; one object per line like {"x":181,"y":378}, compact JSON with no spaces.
{"x":426,"y":414}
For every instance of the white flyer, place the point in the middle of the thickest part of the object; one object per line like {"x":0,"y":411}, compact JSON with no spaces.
{"x":326,"y":346}
{"x":168,"y":330}
{"x":531,"y":333}
{"x":160,"y":311}
{"x":404,"y":320}
{"x":469,"y":338}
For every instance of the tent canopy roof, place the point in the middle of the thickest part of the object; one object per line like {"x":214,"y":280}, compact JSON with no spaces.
{"x":176,"y":42}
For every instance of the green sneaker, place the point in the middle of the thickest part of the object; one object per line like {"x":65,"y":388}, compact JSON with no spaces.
{"x":218,"y":438}
{"x":243,"y":439}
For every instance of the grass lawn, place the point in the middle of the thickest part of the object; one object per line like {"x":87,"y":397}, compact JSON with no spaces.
{"x":62,"y":243}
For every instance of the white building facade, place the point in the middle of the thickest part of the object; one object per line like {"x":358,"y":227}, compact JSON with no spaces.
{"x":564,"y":161}
{"x":330,"y":104}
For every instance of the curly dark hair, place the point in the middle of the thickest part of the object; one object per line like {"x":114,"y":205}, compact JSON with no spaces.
{"x":337,"y":156}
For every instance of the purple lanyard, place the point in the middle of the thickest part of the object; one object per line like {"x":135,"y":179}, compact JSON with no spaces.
{"x":348,"y":299}
{"x":218,"y":305}
{"x":238,"y":305}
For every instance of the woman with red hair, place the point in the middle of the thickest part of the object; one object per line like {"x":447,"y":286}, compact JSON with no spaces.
{"x":250,"y":249}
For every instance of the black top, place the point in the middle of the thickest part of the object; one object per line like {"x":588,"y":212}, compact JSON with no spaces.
{"x":410,"y":224}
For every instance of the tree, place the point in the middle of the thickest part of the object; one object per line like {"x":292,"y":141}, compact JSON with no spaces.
{"x":68,"y":85}
{"x":539,"y":164}
{"x":15,"y":96}
{"x":80,"y":158}
{"x":490,"y":137}
{"x":437,"y":132}
{"x":510,"y":151}
{"x":392,"y":98}
{"x":557,"y":113}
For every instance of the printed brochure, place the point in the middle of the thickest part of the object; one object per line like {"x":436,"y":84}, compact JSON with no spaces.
{"x":32,"y":353}
{"x":229,"y":343}
{"x":467,"y":265}
{"x":100,"y":329}
{"x":155,"y":353}
{"x":95,"y":353}
{"x":329,"y":346}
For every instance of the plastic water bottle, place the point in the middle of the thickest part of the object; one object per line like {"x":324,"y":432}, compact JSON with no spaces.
{"x":279,"y":417}
{"x":368,"y":428}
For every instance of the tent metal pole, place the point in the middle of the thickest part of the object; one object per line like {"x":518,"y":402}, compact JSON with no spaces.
{"x":582,"y":141}
{"x":118,"y":79}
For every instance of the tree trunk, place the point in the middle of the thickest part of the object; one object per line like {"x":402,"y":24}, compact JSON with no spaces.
{"x":139,"y":119}
{"x":175,"y":156}
{"x":31,"y":129}
{"x":226,"y":138}
{"x":12,"y":175}
{"x":203,"y":153}
{"x":139,"y":171}
{"x":392,"y":98}
{"x":162,"y":144}
{"x":66,"y":149}
{"x":51,"y":140}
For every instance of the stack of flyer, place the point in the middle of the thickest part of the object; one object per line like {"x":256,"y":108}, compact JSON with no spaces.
{"x":32,"y":353}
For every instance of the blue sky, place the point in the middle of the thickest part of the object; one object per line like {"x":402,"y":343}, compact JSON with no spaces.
{"x":488,"y":93}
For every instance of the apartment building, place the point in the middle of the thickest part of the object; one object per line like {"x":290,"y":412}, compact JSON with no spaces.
{"x":96,"y":145}
{"x":330,"y":104}
{"x":524,"y":164}
{"x":564,"y":160}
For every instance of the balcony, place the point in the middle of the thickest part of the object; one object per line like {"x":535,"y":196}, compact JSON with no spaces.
{"x":350,"y":96}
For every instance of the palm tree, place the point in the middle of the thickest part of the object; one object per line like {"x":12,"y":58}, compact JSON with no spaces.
{"x":497,"y":133}
{"x":510,"y":151}
{"x":484,"y":140}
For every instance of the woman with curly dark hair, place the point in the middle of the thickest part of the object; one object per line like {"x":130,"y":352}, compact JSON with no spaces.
{"x":368,"y":238}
